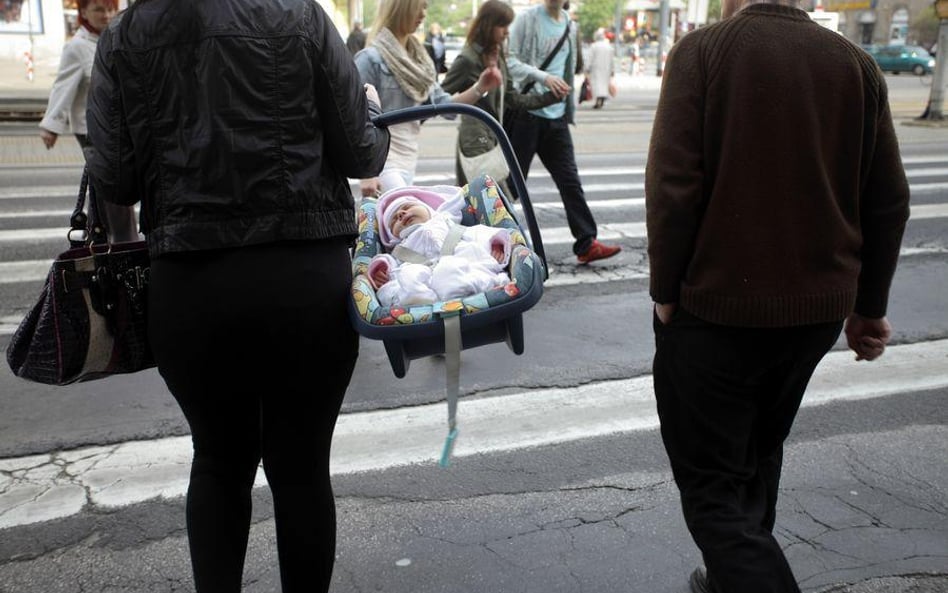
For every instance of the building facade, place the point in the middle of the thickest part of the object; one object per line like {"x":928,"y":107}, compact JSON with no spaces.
{"x":33,"y":32}
{"x":881,"y":22}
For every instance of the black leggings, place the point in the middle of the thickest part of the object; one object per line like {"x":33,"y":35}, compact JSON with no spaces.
{"x":256,"y":347}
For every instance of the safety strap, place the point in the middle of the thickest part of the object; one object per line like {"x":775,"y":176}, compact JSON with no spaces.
{"x":451,"y":240}
{"x":407,"y":255}
{"x":455,"y":232}
{"x":452,"y":375}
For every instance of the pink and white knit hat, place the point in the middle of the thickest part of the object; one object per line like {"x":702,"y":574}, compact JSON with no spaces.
{"x":432,"y":197}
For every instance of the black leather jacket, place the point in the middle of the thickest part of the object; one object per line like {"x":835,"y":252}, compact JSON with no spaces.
{"x":234,"y":123}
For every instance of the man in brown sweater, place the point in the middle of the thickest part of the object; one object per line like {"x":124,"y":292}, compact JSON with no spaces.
{"x":776,"y":202}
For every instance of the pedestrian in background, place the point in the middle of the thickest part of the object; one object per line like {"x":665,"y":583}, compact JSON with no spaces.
{"x":397,"y":64}
{"x":434,"y":44}
{"x":601,"y":69}
{"x":775,"y":204}
{"x":356,"y":40}
{"x":544,"y":34}
{"x":249,"y":220}
{"x":485,"y":48}
{"x":66,"y":110}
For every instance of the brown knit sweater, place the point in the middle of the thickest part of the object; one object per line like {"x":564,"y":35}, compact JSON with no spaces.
{"x":775,"y":193}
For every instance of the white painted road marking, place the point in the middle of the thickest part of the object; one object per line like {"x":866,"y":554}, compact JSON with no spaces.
{"x":45,"y":487}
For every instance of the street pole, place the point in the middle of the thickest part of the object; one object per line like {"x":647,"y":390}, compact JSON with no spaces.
{"x":663,"y":35}
{"x":618,"y":27}
{"x":936,"y":101}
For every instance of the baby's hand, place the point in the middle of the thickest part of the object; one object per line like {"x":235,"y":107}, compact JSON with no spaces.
{"x":379,"y":277}
{"x":497,"y":250}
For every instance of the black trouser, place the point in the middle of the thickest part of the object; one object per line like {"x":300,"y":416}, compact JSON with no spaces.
{"x":550,"y":139}
{"x":256,"y":346}
{"x":726,"y":399}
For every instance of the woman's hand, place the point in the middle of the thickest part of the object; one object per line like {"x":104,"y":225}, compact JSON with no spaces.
{"x":49,"y":138}
{"x":372,"y":94}
{"x":490,"y":79}
{"x":370,"y":187}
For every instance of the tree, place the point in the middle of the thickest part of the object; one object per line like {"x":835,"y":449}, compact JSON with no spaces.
{"x":596,"y":14}
{"x":714,"y":11}
{"x":924,"y":28}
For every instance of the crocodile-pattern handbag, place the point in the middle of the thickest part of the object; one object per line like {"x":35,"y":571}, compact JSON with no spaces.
{"x":90,"y":321}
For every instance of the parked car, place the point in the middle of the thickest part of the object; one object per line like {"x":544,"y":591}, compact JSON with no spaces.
{"x":903,"y":58}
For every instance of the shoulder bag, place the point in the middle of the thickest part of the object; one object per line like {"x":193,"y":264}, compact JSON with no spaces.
{"x":91,"y":317}
{"x":514,"y":113}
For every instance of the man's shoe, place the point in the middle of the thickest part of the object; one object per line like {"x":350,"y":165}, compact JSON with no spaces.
{"x":698,"y":583}
{"x":596,"y":251}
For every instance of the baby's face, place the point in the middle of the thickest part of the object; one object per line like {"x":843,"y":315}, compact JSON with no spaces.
{"x":408,"y":214}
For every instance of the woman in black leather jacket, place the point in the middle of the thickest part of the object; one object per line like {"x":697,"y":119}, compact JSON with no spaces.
{"x":236,"y":125}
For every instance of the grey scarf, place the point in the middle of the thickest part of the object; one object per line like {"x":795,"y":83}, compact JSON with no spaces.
{"x":412,"y":66}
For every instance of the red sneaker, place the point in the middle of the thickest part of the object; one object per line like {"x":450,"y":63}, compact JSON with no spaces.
{"x":598,"y":251}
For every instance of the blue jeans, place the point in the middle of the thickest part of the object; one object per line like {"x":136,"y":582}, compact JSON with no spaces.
{"x":551,"y":140}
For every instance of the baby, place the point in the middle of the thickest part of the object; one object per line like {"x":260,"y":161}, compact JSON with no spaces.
{"x":431,"y":256}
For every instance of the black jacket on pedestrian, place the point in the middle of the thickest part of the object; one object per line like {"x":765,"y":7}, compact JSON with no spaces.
{"x":216,"y":115}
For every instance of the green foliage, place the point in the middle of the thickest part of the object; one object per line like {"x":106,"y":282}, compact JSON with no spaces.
{"x":595,"y":14}
{"x":453,"y":16}
{"x":714,"y":10}
{"x":369,"y":10}
{"x":924,"y":27}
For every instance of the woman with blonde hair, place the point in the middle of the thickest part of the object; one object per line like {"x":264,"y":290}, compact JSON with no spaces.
{"x":485,"y":49}
{"x":396,"y":63}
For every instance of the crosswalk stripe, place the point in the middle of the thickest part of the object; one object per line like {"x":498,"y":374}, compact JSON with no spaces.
{"x":47,"y":191}
{"x":613,"y":204}
{"x":60,"y":484}
{"x":551,"y":236}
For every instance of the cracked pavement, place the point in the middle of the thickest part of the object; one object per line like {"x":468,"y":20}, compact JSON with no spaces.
{"x":866,"y":507}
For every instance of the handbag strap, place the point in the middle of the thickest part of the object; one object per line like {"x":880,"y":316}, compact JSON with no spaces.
{"x":549,"y":58}
{"x":90,"y":227}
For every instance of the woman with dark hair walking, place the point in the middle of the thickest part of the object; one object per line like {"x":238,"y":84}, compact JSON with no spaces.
{"x":485,"y":49}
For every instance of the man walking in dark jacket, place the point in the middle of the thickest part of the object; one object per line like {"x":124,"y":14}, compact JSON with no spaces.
{"x":775,"y":206}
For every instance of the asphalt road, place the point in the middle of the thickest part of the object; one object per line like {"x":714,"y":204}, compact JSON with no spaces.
{"x":863,"y":497}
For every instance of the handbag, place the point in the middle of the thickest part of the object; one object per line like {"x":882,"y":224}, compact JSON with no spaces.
{"x":513,"y":114}
{"x":585,"y":91}
{"x":90,"y":320}
{"x":492,"y":162}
